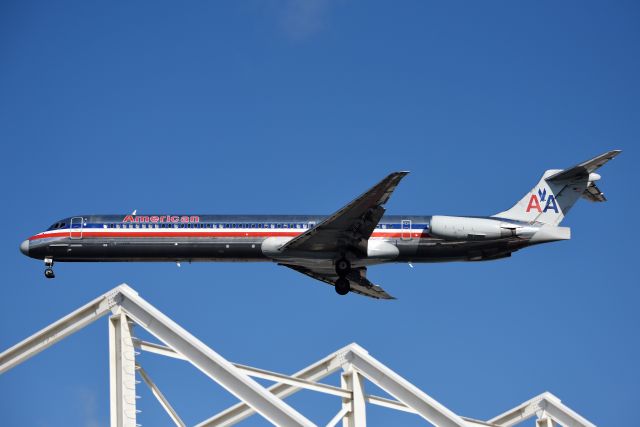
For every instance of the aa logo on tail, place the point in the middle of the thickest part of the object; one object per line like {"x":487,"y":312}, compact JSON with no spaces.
{"x":550,"y":202}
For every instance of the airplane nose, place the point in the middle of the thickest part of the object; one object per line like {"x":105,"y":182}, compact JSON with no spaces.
{"x":24,"y":247}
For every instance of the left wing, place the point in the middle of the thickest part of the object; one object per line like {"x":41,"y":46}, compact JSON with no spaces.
{"x":350,"y":227}
{"x":357,"y":279}
{"x":585,"y":168}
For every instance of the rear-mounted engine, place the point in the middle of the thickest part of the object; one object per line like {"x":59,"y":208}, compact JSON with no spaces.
{"x":465,"y":228}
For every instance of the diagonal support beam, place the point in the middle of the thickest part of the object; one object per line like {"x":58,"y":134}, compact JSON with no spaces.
{"x":253,"y":372}
{"x":209,"y":362}
{"x":295,"y":381}
{"x":403,"y":390}
{"x":160,"y":397}
{"x":340,"y":415}
{"x":314,"y":372}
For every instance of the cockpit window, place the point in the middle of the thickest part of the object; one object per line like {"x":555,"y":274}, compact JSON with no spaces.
{"x":57,"y":225}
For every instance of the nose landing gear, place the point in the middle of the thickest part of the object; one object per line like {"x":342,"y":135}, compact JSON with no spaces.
{"x":48,"y":271}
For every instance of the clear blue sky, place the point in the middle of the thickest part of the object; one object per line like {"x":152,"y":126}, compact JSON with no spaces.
{"x":297,"y":107}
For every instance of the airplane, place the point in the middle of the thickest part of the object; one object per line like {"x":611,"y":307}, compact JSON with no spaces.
{"x":335,"y":249}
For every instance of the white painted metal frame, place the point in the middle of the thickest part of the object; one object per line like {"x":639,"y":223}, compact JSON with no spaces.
{"x":122,"y":372}
{"x":357,"y":366}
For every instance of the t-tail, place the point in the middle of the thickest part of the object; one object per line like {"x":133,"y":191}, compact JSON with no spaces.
{"x":557,"y":191}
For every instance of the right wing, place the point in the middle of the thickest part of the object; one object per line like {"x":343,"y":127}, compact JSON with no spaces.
{"x":357,"y":279}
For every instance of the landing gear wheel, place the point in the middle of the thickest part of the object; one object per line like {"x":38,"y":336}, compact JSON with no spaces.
{"x":343,"y":267}
{"x":342,"y":286}
{"x":48,"y":273}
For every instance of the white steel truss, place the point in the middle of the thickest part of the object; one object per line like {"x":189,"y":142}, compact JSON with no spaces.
{"x":128,"y":309}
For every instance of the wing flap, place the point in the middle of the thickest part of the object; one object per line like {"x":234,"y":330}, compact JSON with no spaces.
{"x":357,"y":279}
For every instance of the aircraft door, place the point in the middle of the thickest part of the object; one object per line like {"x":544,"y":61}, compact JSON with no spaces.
{"x":75,"y":228}
{"x":406,"y":229}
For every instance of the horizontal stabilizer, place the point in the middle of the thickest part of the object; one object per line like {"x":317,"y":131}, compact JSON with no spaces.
{"x":585,"y":168}
{"x":593,"y":194}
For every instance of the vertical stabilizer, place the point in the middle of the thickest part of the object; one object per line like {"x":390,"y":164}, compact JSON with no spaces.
{"x":557,"y":191}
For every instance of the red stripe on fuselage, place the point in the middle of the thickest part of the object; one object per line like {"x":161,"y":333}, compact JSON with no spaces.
{"x":161,"y":234}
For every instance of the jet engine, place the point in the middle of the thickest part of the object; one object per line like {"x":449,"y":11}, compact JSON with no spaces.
{"x":465,"y":228}
{"x":271,"y":245}
{"x":379,"y":249}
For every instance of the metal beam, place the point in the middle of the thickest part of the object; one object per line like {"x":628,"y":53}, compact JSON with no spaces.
{"x":347,"y":404}
{"x":340,"y":415}
{"x":357,"y":414}
{"x":122,"y":372}
{"x":127,"y":306}
{"x":403,"y":390}
{"x":253,"y":372}
{"x":58,"y":330}
{"x":209,"y":362}
{"x":292,"y":380}
{"x":389,"y":403}
{"x":547,"y":403}
{"x":395,"y":385}
{"x":314,"y":372}
{"x":562,"y":414}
